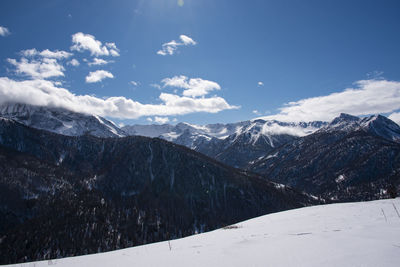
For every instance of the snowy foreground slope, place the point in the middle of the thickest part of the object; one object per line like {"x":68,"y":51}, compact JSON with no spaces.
{"x":351,"y":234}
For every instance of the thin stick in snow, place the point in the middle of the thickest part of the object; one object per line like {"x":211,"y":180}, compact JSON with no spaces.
{"x":383,"y":212}
{"x":169,"y":244}
{"x":394,"y":206}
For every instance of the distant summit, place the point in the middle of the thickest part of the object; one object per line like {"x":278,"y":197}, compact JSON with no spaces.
{"x":59,"y":120}
{"x":377,"y":125}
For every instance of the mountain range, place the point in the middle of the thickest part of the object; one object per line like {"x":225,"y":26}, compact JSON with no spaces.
{"x":73,"y":184}
{"x":72,"y":195}
{"x":235,"y":144}
{"x":349,"y":159}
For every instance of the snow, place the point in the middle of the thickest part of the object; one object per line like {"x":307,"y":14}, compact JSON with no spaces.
{"x":340,"y":178}
{"x":171,"y":136}
{"x":279,"y":186}
{"x":252,"y":131}
{"x":377,"y":125}
{"x":351,"y":234}
{"x":59,"y":120}
{"x":271,"y":156}
{"x":110,"y":125}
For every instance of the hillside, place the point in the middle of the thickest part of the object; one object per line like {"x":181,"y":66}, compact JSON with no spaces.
{"x":351,"y":234}
{"x":66,"y":196}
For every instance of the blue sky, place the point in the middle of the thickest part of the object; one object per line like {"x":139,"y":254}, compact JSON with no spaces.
{"x":290,"y":60}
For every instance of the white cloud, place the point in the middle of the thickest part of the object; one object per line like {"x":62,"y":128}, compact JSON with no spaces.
{"x":98,"y":61}
{"x":193,"y":87}
{"x":73,"y":62}
{"x":256,"y":112}
{"x":260,"y":84}
{"x":82,"y":42}
{"x":184,"y":105}
{"x":171,"y":47}
{"x":57,"y":54}
{"x":376,"y":74}
{"x":134,"y":83}
{"x":149,"y":119}
{"x":4,"y":31}
{"x":368,"y":97}
{"x":155,"y":85}
{"x":98,"y":76}
{"x":45,"y":93}
{"x":113,"y":49}
{"x":395,"y":117}
{"x":161,"y":120}
{"x":29,"y":52}
{"x":187,"y":40}
{"x":275,"y":129}
{"x":38,"y":69}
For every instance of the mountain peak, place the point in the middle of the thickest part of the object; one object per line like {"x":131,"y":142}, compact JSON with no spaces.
{"x":382,"y":126}
{"x":344,"y":117}
{"x":60,"y":120}
{"x":377,"y":125}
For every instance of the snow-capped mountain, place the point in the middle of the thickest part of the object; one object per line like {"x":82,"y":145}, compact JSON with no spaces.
{"x":192,"y":131}
{"x":350,"y":234}
{"x":255,"y":129}
{"x":65,"y":196}
{"x":62,"y":196}
{"x":377,"y":125}
{"x":235,"y":144}
{"x":59,"y":120}
{"x":349,"y":159}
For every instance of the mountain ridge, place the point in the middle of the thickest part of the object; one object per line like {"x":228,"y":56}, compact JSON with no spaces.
{"x":73,"y":195}
{"x":350,"y":159}
{"x":60,"y":120}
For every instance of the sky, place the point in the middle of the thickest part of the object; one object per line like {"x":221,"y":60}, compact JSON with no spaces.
{"x":208,"y":61}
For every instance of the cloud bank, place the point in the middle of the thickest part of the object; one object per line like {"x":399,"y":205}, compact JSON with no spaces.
{"x":37,"y":89}
{"x":171,"y":47}
{"x":367,"y":97}
{"x":46,"y":93}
